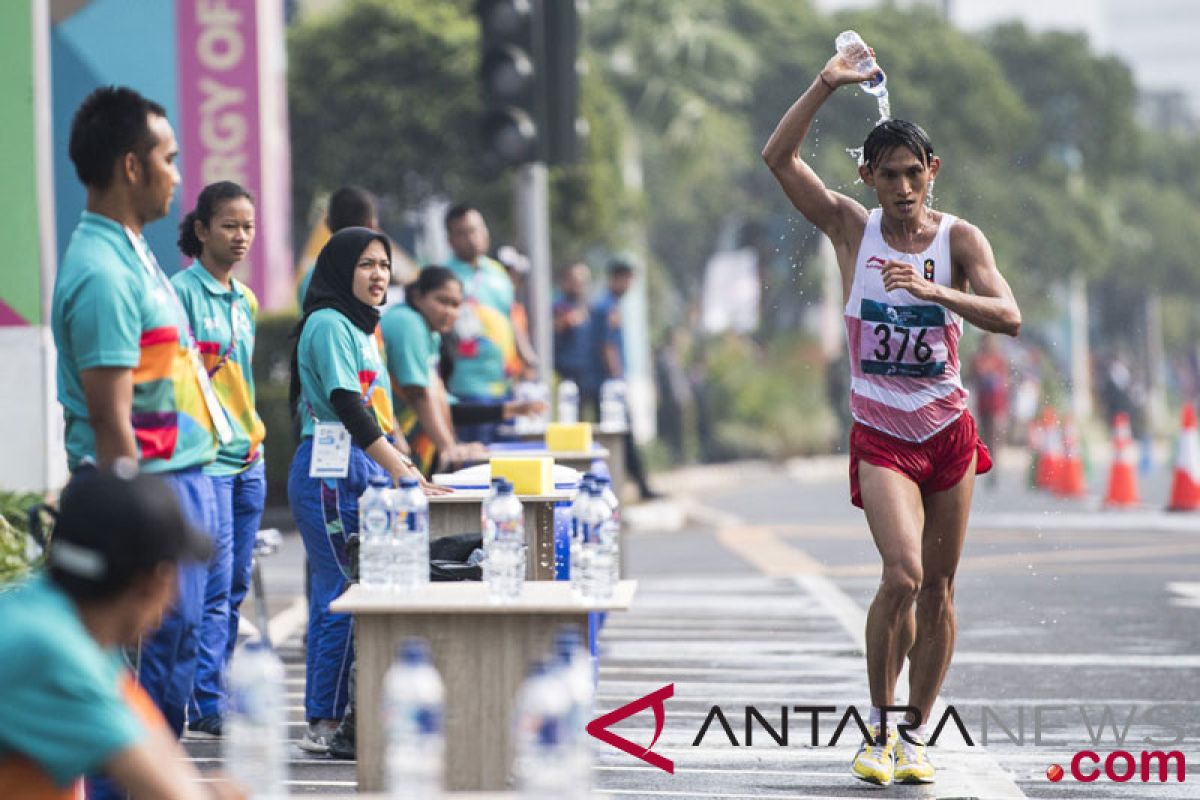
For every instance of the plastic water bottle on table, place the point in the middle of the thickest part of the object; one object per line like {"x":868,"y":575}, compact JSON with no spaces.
{"x":414,"y":701}
{"x":568,"y":402}
{"x":544,"y":763}
{"x":410,"y":537}
{"x":376,"y":515}
{"x":504,"y":569}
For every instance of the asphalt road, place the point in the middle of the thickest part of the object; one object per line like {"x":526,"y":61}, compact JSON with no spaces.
{"x":1076,"y":626}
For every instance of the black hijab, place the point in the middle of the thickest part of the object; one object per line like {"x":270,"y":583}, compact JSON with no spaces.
{"x":332,"y":286}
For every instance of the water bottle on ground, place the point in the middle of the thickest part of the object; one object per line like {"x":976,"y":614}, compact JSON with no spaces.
{"x":414,"y":698}
{"x":543,"y":765}
{"x":852,"y":47}
{"x":376,"y":514}
{"x":410,"y":539}
{"x":612,"y":531}
{"x":574,"y":667}
{"x":575,"y":557}
{"x":612,"y":403}
{"x":505,"y":565}
{"x":568,"y":402}
{"x":596,"y":563}
{"x":255,"y":743}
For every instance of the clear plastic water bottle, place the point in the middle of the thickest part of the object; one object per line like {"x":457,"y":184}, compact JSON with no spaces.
{"x":533,"y":423}
{"x":611,"y":535}
{"x":543,"y":763}
{"x":568,"y":402}
{"x":852,"y":47}
{"x":574,"y":668}
{"x":410,"y":537}
{"x":612,"y":403}
{"x":255,"y":742}
{"x":376,"y":515}
{"x":487,"y":527}
{"x":575,"y":562}
{"x":414,"y":701}
{"x":595,"y":580}
{"x":504,"y":570}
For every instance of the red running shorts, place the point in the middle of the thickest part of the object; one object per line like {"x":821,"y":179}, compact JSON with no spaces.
{"x":934,"y":465}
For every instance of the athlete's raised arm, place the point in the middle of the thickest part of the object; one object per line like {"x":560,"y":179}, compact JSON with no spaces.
{"x":830,"y":211}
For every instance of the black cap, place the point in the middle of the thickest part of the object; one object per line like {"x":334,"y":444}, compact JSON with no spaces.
{"x":114,"y":525}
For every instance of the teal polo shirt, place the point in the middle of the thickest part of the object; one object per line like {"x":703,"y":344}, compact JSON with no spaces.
{"x":223,"y":321}
{"x":110,"y":310}
{"x":60,"y":699}
{"x":412,"y":356}
{"x":479,"y":365}
{"x":333,"y":354}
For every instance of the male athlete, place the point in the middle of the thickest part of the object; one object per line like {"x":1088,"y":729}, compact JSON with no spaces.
{"x":914,"y":453}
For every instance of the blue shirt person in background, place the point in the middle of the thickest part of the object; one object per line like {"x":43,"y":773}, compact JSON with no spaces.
{"x":572,"y":323}
{"x":349,"y":207}
{"x":607,"y":361}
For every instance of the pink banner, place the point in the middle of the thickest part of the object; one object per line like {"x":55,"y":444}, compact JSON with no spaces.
{"x":219,"y":118}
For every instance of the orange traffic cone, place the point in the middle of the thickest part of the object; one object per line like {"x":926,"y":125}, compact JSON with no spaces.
{"x":1185,"y":488}
{"x":1070,"y":473}
{"x":1122,"y":476}
{"x":1050,"y":461}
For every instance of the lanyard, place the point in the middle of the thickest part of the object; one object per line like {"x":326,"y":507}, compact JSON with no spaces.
{"x":220,"y":422}
{"x":233,"y":320}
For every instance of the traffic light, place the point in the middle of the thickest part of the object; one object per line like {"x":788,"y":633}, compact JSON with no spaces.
{"x":530,"y":86}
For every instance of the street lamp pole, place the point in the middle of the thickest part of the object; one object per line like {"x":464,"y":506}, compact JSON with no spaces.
{"x":532,"y":199}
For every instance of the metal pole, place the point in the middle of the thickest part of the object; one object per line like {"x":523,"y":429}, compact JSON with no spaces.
{"x":533,"y":238}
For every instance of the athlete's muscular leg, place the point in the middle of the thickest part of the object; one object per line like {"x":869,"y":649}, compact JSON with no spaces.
{"x":895,"y":514}
{"x":941,"y":546}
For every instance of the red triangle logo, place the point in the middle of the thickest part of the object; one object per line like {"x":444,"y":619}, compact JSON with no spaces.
{"x":656,"y":700}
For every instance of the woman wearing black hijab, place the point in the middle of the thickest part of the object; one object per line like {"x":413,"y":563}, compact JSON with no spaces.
{"x":339,"y":385}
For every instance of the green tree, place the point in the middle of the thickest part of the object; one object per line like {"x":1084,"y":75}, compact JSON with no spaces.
{"x":385,"y":94}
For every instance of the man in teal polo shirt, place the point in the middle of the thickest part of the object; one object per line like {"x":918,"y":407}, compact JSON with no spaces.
{"x":129,"y":378}
{"x":484,"y":329}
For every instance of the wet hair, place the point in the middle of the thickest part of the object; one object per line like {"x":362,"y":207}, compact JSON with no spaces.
{"x":210,"y":199}
{"x":351,"y":207}
{"x":457,"y":212}
{"x":887,"y":136}
{"x":110,"y":122}
{"x":430,"y":279}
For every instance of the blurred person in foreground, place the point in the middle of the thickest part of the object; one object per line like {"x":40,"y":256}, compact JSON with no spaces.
{"x":68,"y":705}
{"x":910,"y":276}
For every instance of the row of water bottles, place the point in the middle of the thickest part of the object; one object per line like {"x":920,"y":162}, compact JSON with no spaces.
{"x":595,"y":560}
{"x":393,"y":525}
{"x":552,"y":748}
{"x":552,"y":755}
{"x":613,"y":394}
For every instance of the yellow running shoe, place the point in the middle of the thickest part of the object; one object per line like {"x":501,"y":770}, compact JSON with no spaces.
{"x":911,"y":764}
{"x":875,"y":763}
